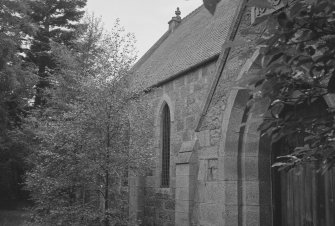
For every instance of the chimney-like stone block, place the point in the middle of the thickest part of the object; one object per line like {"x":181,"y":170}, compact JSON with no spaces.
{"x":175,"y":21}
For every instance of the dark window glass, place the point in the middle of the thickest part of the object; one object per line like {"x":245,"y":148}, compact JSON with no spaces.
{"x":166,"y":146}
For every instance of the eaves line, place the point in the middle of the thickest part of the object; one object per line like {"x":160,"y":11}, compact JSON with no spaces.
{"x":183,"y":72}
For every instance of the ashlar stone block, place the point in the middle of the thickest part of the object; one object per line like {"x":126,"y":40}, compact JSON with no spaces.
{"x":210,"y":152}
{"x":231,"y":193}
{"x":211,"y":192}
{"x":250,"y":168}
{"x":251,"y":192}
{"x":182,"y":181}
{"x":231,"y":143}
{"x":182,"y":219}
{"x":182,"y":169}
{"x":251,"y":145}
{"x":204,"y":138}
{"x":182,"y":206}
{"x":212,"y":170}
{"x":252,"y":217}
{"x":230,"y":168}
{"x":182,"y":194}
{"x":231,"y":215}
{"x":210,"y":214}
{"x":202,"y":169}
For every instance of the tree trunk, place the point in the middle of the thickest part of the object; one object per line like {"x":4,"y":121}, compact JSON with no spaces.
{"x":106,"y":198}
{"x":107,"y":177}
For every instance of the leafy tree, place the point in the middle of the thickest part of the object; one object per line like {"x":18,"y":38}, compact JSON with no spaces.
{"x":83,"y":149}
{"x":211,"y":5}
{"x":297,"y":73}
{"x":89,"y":48}
{"x":16,"y":78}
{"x":16,"y":82}
{"x":57,"y":21}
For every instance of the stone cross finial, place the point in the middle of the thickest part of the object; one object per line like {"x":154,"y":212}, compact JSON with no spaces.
{"x":175,"y":21}
{"x":178,"y":12}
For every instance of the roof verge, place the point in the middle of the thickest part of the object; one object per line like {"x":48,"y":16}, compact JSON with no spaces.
{"x":222,"y":63}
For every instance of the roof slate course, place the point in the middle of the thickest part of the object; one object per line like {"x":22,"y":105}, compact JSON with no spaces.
{"x":198,"y":37}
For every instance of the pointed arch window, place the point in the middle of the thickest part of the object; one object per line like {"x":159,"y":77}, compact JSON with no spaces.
{"x":166,"y":127}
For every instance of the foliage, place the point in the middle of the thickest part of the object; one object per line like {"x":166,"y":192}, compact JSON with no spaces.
{"x":297,"y":61}
{"x":83,"y":147}
{"x":77,"y":146}
{"x":211,"y":5}
{"x":57,"y":21}
{"x":89,"y":47}
{"x":297,"y":58}
{"x":26,"y":27}
{"x":15,"y":76}
{"x":16,"y":82}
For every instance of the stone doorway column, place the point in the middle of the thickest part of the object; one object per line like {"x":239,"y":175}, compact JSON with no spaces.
{"x":185,"y":182}
{"x":136,"y":202}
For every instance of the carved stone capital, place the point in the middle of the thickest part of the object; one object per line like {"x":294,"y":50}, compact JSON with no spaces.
{"x":257,"y":13}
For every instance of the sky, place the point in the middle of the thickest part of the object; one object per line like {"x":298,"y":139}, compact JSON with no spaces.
{"x":147,"y":19}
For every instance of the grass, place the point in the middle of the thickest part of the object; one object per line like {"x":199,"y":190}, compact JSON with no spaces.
{"x":13,"y":218}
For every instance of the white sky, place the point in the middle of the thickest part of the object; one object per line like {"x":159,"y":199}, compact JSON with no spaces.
{"x":147,"y":19}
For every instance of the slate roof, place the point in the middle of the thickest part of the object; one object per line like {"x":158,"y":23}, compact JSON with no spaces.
{"x":198,"y":37}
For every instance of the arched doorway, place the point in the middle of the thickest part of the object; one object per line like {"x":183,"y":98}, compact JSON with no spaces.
{"x":300,"y":196}
{"x":247,"y":163}
{"x":303,"y":195}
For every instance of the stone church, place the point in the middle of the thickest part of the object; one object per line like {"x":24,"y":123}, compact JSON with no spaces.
{"x":212,"y":167}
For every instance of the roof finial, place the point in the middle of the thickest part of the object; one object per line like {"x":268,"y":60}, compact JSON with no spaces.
{"x":175,"y":21}
{"x":178,"y":12}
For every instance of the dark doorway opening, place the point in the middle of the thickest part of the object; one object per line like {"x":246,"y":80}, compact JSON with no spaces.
{"x":302,"y":195}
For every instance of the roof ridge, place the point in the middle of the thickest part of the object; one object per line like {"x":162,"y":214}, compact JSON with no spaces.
{"x":161,"y":39}
{"x":191,"y":13}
